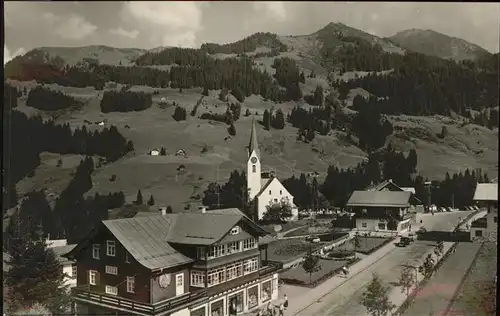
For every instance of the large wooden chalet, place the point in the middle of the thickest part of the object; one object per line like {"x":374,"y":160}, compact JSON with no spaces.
{"x":383,"y":207}
{"x":188,"y":264}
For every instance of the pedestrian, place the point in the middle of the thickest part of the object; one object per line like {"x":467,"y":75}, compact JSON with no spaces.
{"x":285,"y":304}
{"x":269,"y":309}
{"x":282,"y":310}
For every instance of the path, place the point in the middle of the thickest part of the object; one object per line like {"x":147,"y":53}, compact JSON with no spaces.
{"x":329,"y":299}
{"x":434,"y":298}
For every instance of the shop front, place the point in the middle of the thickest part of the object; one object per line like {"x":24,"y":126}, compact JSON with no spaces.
{"x":253,"y":296}
{"x":266,"y":291}
{"x":217,"y":308}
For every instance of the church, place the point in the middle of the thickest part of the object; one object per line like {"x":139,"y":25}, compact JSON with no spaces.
{"x":264,"y":188}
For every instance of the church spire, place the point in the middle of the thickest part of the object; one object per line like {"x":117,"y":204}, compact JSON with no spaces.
{"x":254,"y":144}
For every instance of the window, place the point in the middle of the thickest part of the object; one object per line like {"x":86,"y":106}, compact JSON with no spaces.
{"x":364,"y":225}
{"x":251,"y":265}
{"x":269,"y":192}
{"x":92,"y":277}
{"x":130,"y":284}
{"x":111,"y":270}
{"x":215,"y":276}
{"x":127,"y":259}
{"x":495,"y":219}
{"x":96,"y":249}
{"x":110,"y":248}
{"x":200,"y":252}
{"x":233,"y":247}
{"x":254,"y":169}
{"x":275,"y":200}
{"x":217,"y":251}
{"x":113,"y":290}
{"x":198,"y":278}
{"x":281,"y":192}
{"x":235,"y":230}
{"x":249,"y":244}
{"x":234,"y":271}
{"x":479,"y":233}
{"x":381,"y":226}
{"x":73,"y":271}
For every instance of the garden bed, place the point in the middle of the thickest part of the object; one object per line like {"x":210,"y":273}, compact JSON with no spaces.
{"x":298,"y":276}
{"x":367,"y":244}
{"x":286,"y":250}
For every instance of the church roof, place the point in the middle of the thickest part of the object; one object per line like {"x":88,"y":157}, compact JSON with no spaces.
{"x":254,"y":144}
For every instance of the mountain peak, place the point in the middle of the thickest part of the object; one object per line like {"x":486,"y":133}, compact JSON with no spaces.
{"x":432,"y":43}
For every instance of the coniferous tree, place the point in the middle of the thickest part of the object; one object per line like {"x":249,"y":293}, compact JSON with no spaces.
{"x":376,"y":298}
{"x":231,"y":130}
{"x":266,"y":120}
{"x":180,"y":114}
{"x":138,"y":199}
{"x":278,"y":120}
{"x":151,"y":201}
{"x":35,"y":274}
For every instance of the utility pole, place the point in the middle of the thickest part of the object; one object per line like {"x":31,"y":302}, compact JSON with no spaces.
{"x":428,"y":185}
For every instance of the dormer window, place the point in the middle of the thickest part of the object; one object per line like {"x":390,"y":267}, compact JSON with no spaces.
{"x":110,"y":248}
{"x":235,"y":230}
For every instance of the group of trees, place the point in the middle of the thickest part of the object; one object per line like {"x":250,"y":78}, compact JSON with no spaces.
{"x":369,"y":126}
{"x":25,"y":138}
{"x":49,"y":100}
{"x":246,"y":45}
{"x":423,"y":85}
{"x":275,"y":120}
{"x":288,"y":76}
{"x":125,"y":101}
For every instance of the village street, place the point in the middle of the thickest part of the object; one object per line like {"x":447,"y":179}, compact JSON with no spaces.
{"x":340,"y":296}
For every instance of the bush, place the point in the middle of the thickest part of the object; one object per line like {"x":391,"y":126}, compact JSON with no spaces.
{"x":341,"y":253}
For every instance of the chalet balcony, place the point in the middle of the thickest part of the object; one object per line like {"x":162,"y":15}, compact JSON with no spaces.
{"x":81,"y":294}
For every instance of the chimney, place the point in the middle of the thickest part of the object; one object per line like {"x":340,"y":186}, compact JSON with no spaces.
{"x":163,"y":210}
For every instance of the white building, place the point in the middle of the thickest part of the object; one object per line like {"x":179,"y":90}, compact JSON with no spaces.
{"x":60,"y":248}
{"x":264,"y":191}
{"x":486,"y":227}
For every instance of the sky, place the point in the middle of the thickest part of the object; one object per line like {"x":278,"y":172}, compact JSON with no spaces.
{"x":189,"y":24}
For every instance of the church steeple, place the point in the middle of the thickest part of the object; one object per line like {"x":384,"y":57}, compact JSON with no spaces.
{"x":253,"y":165}
{"x":254,"y":144}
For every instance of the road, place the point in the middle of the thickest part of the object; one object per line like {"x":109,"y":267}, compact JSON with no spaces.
{"x":434,"y":298}
{"x":343,"y":298}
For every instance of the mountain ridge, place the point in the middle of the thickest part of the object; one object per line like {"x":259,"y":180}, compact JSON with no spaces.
{"x":433,"y":43}
{"x":416,"y":40}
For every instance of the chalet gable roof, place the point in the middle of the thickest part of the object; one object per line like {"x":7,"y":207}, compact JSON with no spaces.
{"x":148,"y":239}
{"x":380,"y":198}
